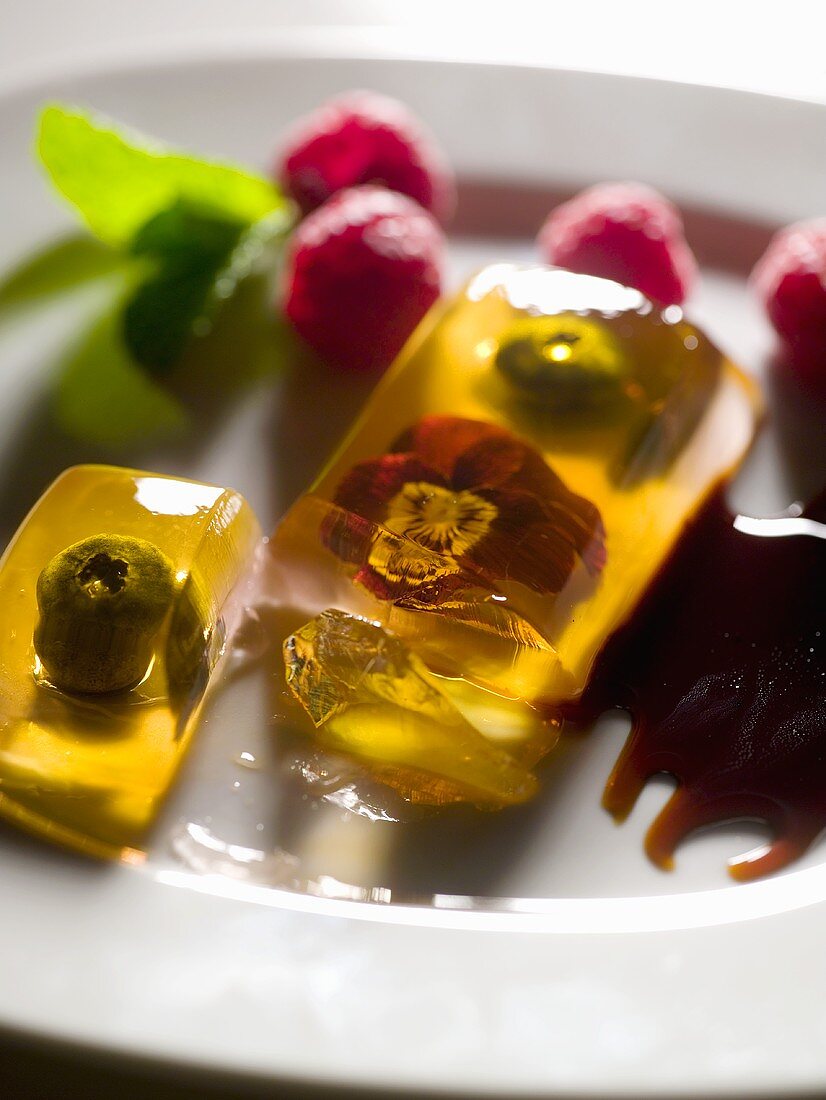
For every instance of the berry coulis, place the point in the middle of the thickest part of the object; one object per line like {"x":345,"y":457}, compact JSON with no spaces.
{"x":723,"y":670}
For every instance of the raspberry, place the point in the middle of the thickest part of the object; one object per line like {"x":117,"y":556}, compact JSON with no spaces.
{"x":622,"y":231}
{"x":790,"y":280}
{"x":363,"y":137}
{"x":362,"y":271}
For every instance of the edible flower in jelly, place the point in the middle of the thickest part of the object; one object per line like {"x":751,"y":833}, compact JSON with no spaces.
{"x":477,"y":495}
{"x":508,"y":495}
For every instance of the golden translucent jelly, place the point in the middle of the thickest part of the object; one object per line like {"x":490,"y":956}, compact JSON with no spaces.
{"x":513,"y":485}
{"x":89,"y":769}
{"x":369,"y":694}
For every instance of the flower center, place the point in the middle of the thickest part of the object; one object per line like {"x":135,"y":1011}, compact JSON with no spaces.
{"x":445,"y":520}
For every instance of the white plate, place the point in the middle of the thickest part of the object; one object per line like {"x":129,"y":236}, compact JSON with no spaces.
{"x":607,"y":978}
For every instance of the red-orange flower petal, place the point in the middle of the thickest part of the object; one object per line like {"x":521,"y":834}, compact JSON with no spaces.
{"x":347,"y":534}
{"x":491,"y":463}
{"x":370,"y":485}
{"x":440,"y":440}
{"x":590,"y":544}
{"x":539,"y":559}
{"x":407,"y":592}
{"x":530,"y":541}
{"x":497,"y":509}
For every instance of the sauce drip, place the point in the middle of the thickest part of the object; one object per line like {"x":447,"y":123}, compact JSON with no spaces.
{"x":723,"y":669}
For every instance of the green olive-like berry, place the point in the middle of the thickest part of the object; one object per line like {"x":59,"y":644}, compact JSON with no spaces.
{"x":101,"y":603}
{"x":563,"y":362}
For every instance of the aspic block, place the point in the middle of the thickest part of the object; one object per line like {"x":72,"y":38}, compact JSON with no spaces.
{"x":366,"y":691}
{"x":517,"y":479}
{"x":116,"y":602}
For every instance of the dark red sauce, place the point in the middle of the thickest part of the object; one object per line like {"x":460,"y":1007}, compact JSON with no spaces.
{"x":723,"y":669}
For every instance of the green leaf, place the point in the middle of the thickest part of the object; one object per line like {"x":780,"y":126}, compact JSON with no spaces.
{"x":183,"y":233}
{"x":188,"y":234}
{"x":246,"y":344}
{"x":103,"y":396}
{"x":199,"y":261}
{"x":59,"y":268}
{"x":189,"y":250}
{"x":159,"y":319}
{"x":119,"y":180}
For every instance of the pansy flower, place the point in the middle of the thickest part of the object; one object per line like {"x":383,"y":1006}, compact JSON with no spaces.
{"x":484,"y":506}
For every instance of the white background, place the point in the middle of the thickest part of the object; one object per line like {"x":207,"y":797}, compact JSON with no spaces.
{"x":763,"y":47}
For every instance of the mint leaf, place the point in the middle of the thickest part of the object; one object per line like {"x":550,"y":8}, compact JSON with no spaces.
{"x":58,"y":269}
{"x":162,"y":315}
{"x":183,"y":233}
{"x":246,"y":333}
{"x":104,"y":398}
{"x":186,"y":231}
{"x":199,"y":261}
{"x":189,"y":250}
{"x":119,"y":180}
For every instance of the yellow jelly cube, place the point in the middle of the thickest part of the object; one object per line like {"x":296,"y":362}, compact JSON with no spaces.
{"x":367,"y":694}
{"x":516,"y":481}
{"x":85,"y":756}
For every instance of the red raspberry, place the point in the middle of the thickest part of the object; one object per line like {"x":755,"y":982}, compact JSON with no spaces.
{"x":790,"y":280}
{"x":622,"y":231}
{"x":363,"y":137}
{"x":362,"y":271}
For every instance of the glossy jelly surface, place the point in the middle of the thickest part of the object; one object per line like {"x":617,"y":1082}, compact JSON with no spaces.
{"x":518,"y":478}
{"x":89,"y":769}
{"x":367,"y":693}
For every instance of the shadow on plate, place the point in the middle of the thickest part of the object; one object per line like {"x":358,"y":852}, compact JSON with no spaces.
{"x":316,"y":409}
{"x":32,"y":1069}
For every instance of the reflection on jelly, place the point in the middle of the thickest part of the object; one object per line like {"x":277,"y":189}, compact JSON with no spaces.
{"x":88,"y":765}
{"x":518,"y":478}
{"x":368,"y":694}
